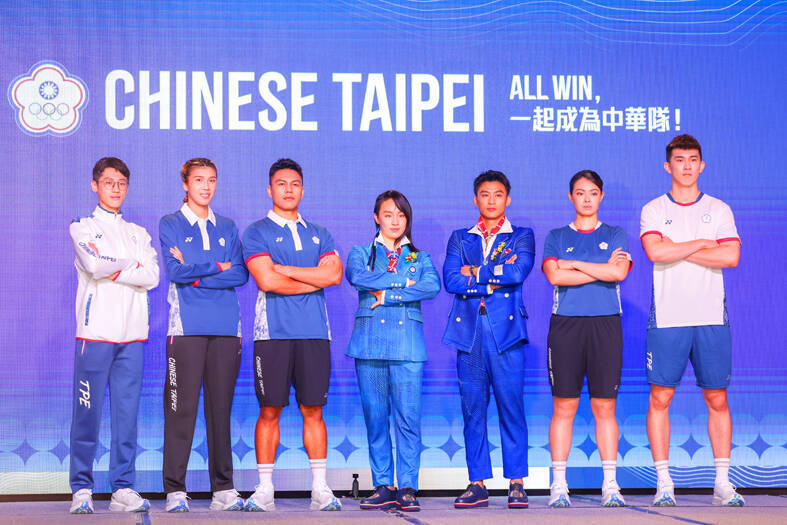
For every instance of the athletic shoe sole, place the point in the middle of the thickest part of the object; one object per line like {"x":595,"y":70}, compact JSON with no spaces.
{"x":736,"y":501}
{"x":237,"y":506}
{"x":119,"y":507}
{"x":561,"y":503}
{"x":253,"y":507}
{"x":518,"y":505}
{"x":333,"y":505}
{"x":479,"y":503}
{"x":378,"y":506}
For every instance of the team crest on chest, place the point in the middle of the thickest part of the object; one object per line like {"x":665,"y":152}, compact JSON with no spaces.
{"x":316,"y":240}
{"x":222,"y":242}
{"x":603,"y":245}
{"x":706,"y":218}
{"x":279,"y":239}
{"x":189,"y":239}
{"x":569,"y":249}
{"x":412,"y":269}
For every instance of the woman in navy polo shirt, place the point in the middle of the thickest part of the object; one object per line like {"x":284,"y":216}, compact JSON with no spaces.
{"x":392,"y":277}
{"x":204,"y":263}
{"x":585,"y":261}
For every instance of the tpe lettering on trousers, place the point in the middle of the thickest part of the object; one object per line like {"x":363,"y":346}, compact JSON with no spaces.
{"x":84,"y":399}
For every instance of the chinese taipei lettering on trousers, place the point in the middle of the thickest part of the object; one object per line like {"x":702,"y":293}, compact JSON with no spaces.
{"x":245,"y":100}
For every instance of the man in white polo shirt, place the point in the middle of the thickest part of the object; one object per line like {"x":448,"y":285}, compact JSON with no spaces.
{"x":690,"y":237}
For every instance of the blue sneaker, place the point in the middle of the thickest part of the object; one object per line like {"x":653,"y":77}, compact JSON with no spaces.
{"x":407,"y":500}
{"x":474,"y":496}
{"x":382,"y":499}
{"x":517,"y":498}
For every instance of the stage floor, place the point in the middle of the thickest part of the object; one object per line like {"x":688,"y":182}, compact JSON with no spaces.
{"x":693,"y":509}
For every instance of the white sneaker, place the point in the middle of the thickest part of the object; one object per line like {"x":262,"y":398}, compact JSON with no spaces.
{"x":226,"y":500}
{"x":82,"y":502}
{"x":665,"y":495}
{"x":725,"y":495}
{"x":128,"y":500}
{"x":323,"y":499}
{"x":558,"y":496}
{"x":261,"y":500}
{"x":610,"y":495}
{"x":177,"y":502}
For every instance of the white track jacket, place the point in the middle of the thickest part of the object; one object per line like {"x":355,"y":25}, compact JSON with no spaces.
{"x":112,"y":310}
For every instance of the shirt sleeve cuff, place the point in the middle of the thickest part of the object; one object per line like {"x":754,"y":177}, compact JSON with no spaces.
{"x":382,"y":298}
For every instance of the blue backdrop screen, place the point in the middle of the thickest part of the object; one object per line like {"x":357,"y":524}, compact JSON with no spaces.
{"x":367,"y":96}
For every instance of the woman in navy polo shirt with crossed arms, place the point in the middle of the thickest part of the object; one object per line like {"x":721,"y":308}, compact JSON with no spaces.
{"x":586,"y":261}
{"x":204,"y":263}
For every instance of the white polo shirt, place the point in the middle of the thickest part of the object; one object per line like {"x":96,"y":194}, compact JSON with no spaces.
{"x":686,"y":293}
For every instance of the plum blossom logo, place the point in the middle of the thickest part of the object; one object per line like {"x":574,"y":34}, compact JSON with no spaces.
{"x":48,"y":100}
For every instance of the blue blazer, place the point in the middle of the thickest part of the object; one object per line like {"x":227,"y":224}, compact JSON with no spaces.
{"x":394,"y":330}
{"x":507,"y":314}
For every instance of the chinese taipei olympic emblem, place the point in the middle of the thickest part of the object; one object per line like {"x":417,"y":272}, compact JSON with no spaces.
{"x":48,"y":100}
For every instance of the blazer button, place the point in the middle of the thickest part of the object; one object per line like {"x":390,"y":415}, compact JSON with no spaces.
{"x":464,"y":297}
{"x":458,"y":319}
{"x":401,"y":322}
{"x":505,"y":295}
{"x":383,"y":320}
{"x":510,"y":317}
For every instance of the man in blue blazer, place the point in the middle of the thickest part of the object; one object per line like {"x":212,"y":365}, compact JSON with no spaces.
{"x":484,"y":268}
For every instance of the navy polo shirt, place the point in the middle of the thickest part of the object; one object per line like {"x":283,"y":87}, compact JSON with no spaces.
{"x":290,"y":243}
{"x":594,"y":298}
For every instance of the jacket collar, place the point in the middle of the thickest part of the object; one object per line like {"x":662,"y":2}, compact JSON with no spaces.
{"x":505,"y":228}
{"x":106,"y":215}
{"x":402,"y":242}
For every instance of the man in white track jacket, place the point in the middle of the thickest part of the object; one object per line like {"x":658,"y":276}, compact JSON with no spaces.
{"x":116,"y":266}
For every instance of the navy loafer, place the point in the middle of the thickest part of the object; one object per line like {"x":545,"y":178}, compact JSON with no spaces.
{"x":407,"y":500}
{"x":383,"y":498}
{"x":517,"y":499}
{"x":474,"y":496}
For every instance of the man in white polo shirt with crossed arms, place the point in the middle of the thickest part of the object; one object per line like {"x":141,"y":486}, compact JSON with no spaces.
{"x":690,"y":237}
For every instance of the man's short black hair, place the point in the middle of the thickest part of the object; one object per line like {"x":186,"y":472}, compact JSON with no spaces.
{"x":683,"y":142}
{"x":110,"y":162}
{"x":491,"y":176}
{"x":284,"y":164}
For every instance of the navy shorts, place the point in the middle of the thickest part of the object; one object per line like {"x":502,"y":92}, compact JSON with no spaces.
{"x":303,"y":363}
{"x":709,"y":348}
{"x":579,"y":346}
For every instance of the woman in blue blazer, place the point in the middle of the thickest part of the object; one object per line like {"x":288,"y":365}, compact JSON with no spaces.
{"x":392,"y":277}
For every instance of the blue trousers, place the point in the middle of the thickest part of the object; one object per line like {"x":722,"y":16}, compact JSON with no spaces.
{"x":477,"y":369}
{"x":95,"y":365}
{"x":380,"y":382}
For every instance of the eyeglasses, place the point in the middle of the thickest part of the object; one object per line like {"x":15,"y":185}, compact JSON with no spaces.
{"x":109,"y":184}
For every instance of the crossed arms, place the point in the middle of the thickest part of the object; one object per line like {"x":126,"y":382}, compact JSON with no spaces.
{"x":705,"y":252}
{"x":294,"y":280}
{"x":563,"y":272}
